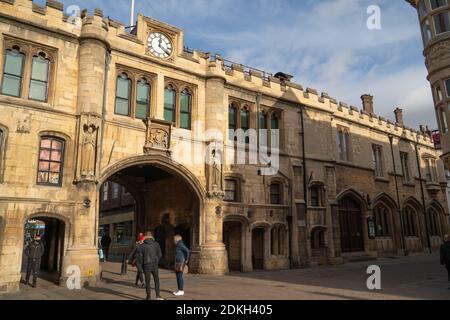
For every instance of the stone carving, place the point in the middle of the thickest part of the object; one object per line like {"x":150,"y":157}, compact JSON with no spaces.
{"x":439,"y":52}
{"x":157,"y":137}
{"x":89,"y":146}
{"x":24,"y":124}
{"x":214,"y":169}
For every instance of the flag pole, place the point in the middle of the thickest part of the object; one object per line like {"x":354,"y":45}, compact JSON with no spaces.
{"x":132,"y":14}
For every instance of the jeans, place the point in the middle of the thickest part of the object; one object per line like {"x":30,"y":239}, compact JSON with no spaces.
{"x":32,"y":270}
{"x":139,"y":274}
{"x":180,"y":281}
{"x":148,"y":272}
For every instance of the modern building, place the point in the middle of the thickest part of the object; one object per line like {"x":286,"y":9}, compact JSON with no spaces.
{"x":434,"y":19}
{"x":83,"y":102}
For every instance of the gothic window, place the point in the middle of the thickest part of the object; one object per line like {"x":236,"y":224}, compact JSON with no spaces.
{"x":343,"y":139}
{"x":435,"y":4}
{"x":39,"y":78}
{"x":318,"y":239}
{"x":433,"y":222}
{"x":438,"y":96}
{"x":105,"y":191}
{"x":442,"y":116}
{"x":377,"y":154}
{"x":430,"y":170}
{"x":277,"y":241}
{"x":245,"y":123}
{"x":50,"y":164}
{"x":231,"y":190}
{"x":13,"y":72}
{"x":232,"y":121}
{"x":169,"y":104}
{"x":275,"y":193}
{"x":382,"y":222}
{"x":142,"y":99}
{"x":447,"y":86}
{"x":263,"y":126}
{"x":123,"y":95}
{"x":274,"y":131}
{"x":316,"y":196}
{"x":422,"y":9}
{"x":404,"y":159}
{"x":185,"y":109}
{"x":409,"y":222}
{"x":426,"y":32}
{"x":115,"y":191}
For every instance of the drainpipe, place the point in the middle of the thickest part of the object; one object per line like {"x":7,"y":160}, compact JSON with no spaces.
{"x":423,"y":194}
{"x":305,"y":183}
{"x":391,"y":138}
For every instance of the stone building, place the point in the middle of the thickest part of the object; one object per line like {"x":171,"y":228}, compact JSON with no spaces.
{"x":434,"y":19}
{"x":84,"y":102}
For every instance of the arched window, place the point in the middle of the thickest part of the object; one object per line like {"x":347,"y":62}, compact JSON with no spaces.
{"x":433,"y":222}
{"x":274,"y":132}
{"x":123,"y":95}
{"x":278,"y":241}
{"x":142,"y":99}
{"x":263,"y":126}
{"x":343,"y":139}
{"x":50,"y":164}
{"x":275,"y":193}
{"x":382,"y":220}
{"x":245,"y":123}
{"x":39,"y":78}
{"x":409,"y":222}
{"x":13,"y":72}
{"x":169,"y":104}
{"x":185,"y":109}
{"x":232,"y":121}
{"x":231,"y":190}
{"x":316,"y":195}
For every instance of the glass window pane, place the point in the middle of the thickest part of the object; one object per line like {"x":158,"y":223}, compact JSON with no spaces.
{"x":275,"y":123}
{"x":44,"y":165}
{"x":43,"y":177}
{"x":14,"y":63}
{"x":442,"y":22}
{"x":437,"y":3}
{"x":38,"y":90}
{"x":57,"y":145}
{"x":169,"y":98}
{"x":262,"y":121}
{"x":122,"y":107}
{"x":184,"y":121}
{"x":54,"y":178}
{"x":11,"y":85}
{"x":232,"y":118}
{"x":141,"y":110}
{"x":185,"y":102}
{"x":56,"y":156}
{"x":40,"y":69}
{"x":123,"y":88}
{"x":168,"y":115}
{"x":55,"y":167}
{"x":426,"y":32}
{"x":44,"y":155}
{"x":142,"y":94}
{"x":46,"y":143}
{"x":245,"y":120}
{"x":447,"y":85}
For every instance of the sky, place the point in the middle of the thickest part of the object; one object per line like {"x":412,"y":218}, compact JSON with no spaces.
{"x":324,"y":44}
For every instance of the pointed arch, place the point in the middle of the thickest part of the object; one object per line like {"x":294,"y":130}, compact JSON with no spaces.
{"x":355,"y":195}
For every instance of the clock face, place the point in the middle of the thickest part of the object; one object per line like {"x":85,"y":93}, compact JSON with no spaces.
{"x":159,"y":45}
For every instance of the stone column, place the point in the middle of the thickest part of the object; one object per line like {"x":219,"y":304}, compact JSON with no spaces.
{"x":83,"y":253}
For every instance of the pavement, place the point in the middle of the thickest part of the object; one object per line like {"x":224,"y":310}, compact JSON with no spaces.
{"x":404,"y":278}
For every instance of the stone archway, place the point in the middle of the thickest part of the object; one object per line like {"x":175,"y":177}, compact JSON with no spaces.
{"x":171,"y":192}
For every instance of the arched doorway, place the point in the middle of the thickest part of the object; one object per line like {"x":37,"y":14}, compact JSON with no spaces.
{"x":167,"y":202}
{"x":232,"y":237}
{"x":52,"y":232}
{"x":258,"y":235}
{"x":351,"y":229}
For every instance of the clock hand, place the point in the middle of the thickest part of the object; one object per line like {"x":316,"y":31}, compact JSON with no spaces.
{"x":164,"y":49}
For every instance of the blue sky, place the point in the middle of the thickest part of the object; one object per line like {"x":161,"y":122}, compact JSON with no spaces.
{"x":325,"y":44}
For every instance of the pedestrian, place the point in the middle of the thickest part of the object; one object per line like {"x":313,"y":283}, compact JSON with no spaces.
{"x":181,"y":261}
{"x":445,"y":254}
{"x":106,"y":242}
{"x":136,"y":261}
{"x":150,"y":253}
{"x":33,"y":251}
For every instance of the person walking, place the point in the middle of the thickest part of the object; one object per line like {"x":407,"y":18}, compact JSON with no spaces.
{"x":106,"y":243}
{"x":445,"y":254}
{"x":181,"y":261}
{"x":34,"y":251}
{"x":150,"y":253}
{"x":136,"y":261}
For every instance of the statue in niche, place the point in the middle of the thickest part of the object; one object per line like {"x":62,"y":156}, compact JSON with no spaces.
{"x":216,"y":166}
{"x":88,"y":151}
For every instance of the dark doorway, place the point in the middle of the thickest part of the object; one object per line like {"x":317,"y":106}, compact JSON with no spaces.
{"x":350,"y":218}
{"x":258,"y":249}
{"x":185,"y":232}
{"x":232,"y":237}
{"x":52,"y":232}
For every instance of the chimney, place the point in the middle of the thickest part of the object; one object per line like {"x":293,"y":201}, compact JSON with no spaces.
{"x":367,"y":101}
{"x":399,"y":116}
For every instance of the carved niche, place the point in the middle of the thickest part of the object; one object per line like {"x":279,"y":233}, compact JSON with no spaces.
{"x":214,"y":170}
{"x":87,"y":146}
{"x":158,"y":136}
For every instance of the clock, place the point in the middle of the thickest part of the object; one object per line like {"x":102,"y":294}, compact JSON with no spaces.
{"x":159,"y":45}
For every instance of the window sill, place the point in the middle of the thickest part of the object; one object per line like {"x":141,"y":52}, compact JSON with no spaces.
{"x":382,"y":179}
{"x":25,"y":102}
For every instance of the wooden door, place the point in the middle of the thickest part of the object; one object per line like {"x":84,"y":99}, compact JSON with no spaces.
{"x":232,"y":236}
{"x":350,"y":217}
{"x":258,"y":249}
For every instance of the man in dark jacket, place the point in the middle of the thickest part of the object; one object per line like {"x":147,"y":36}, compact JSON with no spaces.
{"x":106,"y":243}
{"x":34,"y":251}
{"x":150,"y":253}
{"x":136,"y":260}
{"x":445,"y":254}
